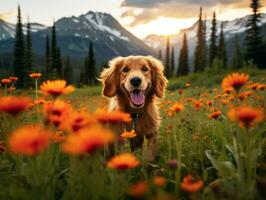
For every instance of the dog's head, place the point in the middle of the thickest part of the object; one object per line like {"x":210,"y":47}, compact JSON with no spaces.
{"x":136,"y":77}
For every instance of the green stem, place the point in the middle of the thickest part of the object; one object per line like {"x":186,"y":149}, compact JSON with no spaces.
{"x":36,"y":89}
{"x":5,"y":89}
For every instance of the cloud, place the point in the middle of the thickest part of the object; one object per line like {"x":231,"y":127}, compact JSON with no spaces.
{"x":152,"y":9}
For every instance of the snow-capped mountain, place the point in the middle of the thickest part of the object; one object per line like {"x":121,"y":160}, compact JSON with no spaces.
{"x":7,"y":30}
{"x":74,"y":34}
{"x":231,"y":28}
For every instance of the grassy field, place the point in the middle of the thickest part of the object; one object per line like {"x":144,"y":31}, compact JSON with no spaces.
{"x":203,"y":152}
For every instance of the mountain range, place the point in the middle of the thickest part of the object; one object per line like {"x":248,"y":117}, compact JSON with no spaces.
{"x":74,"y":34}
{"x":111,"y":39}
{"x":231,"y":28}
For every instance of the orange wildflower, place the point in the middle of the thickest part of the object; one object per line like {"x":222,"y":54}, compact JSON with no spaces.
{"x":29,"y":140}
{"x":2,"y":147}
{"x":129,"y":134}
{"x":232,"y":98}
{"x":223,"y":101}
{"x":262,"y":86}
{"x":215,"y":115}
{"x":159,"y":181}
{"x":11,"y":89}
{"x":112,"y":117}
{"x":13,"y":78}
{"x":188,"y":85}
{"x":209,"y":103}
{"x":177,"y":107}
{"x":234,"y":80}
{"x":138,"y":189}
{"x":217,"y":96}
{"x":190,"y":185}
{"x":56,"y":88}
{"x":5,"y":81}
{"x":123,"y":161}
{"x":77,"y":121}
{"x":197,"y":104}
{"x":87,"y":140}
{"x":39,"y":102}
{"x":196,"y":137}
{"x":14,"y":105}
{"x":57,"y":112}
{"x":35,"y":75}
{"x":228,"y":90}
{"x":241,"y":96}
{"x":246,"y":116}
{"x":58,"y":137}
{"x":180,"y":91}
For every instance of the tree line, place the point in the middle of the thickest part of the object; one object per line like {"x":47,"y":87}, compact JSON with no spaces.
{"x":55,"y":66}
{"x":214,"y":54}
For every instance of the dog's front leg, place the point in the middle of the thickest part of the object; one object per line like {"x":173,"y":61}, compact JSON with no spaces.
{"x":152,"y":142}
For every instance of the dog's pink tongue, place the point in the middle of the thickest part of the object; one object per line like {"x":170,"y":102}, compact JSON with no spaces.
{"x":137,"y":98}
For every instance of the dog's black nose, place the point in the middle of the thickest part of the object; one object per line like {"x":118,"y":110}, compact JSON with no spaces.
{"x":135,"y":81}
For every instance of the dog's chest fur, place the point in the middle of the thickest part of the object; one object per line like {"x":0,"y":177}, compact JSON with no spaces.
{"x":144,"y":122}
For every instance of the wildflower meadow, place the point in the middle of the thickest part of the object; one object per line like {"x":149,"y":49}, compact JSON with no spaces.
{"x":54,"y":142}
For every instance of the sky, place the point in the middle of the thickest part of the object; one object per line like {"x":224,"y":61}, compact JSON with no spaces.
{"x":141,"y":17}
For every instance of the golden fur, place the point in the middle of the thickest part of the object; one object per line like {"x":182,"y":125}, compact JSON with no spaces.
{"x":116,"y":86}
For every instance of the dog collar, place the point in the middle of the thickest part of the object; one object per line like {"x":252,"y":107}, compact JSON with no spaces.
{"x":135,"y":117}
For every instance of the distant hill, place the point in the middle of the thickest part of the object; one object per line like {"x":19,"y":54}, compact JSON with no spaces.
{"x":74,"y":34}
{"x":231,"y":28}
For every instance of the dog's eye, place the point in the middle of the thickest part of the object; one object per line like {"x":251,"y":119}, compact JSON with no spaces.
{"x":125,"y":69}
{"x":145,"y":69}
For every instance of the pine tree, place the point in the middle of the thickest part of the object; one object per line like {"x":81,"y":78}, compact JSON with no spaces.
{"x":89,"y":67}
{"x":55,"y":71}
{"x":19,"y":53}
{"x":167,"y":58}
{"x":28,"y":56}
{"x":199,"y":51}
{"x":58,"y":62}
{"x":68,"y":70}
{"x":213,"y":46}
{"x":47,"y":58}
{"x":253,"y":41}
{"x":183,"y":68}
{"x":237,"y":56}
{"x":222,"y":48}
{"x":160,"y":54}
{"x":172,"y":61}
{"x":205,"y":47}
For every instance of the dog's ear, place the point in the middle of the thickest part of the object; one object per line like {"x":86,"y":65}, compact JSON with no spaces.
{"x":109,"y":77}
{"x":159,"y":81}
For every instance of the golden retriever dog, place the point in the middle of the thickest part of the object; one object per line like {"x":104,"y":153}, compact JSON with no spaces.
{"x":133,"y":85}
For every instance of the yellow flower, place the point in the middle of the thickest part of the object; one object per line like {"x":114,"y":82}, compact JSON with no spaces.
{"x":87,"y":140}
{"x":103,"y":116}
{"x":246,"y":116}
{"x":189,"y":185}
{"x":13,"y":105}
{"x":159,"y":181}
{"x":56,"y":88}
{"x":29,"y":140}
{"x":13,"y":78}
{"x":35,"y":75}
{"x":215,"y":115}
{"x":77,"y":121}
{"x":177,"y":107}
{"x":123,"y":161}
{"x":129,"y":134}
{"x":57,"y":112}
{"x":5,"y":81}
{"x":234,"y":80}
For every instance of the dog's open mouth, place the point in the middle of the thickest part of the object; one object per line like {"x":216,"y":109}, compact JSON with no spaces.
{"x":137,"y":97}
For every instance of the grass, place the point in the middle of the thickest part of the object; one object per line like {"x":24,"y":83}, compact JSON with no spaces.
{"x":230,"y":160}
